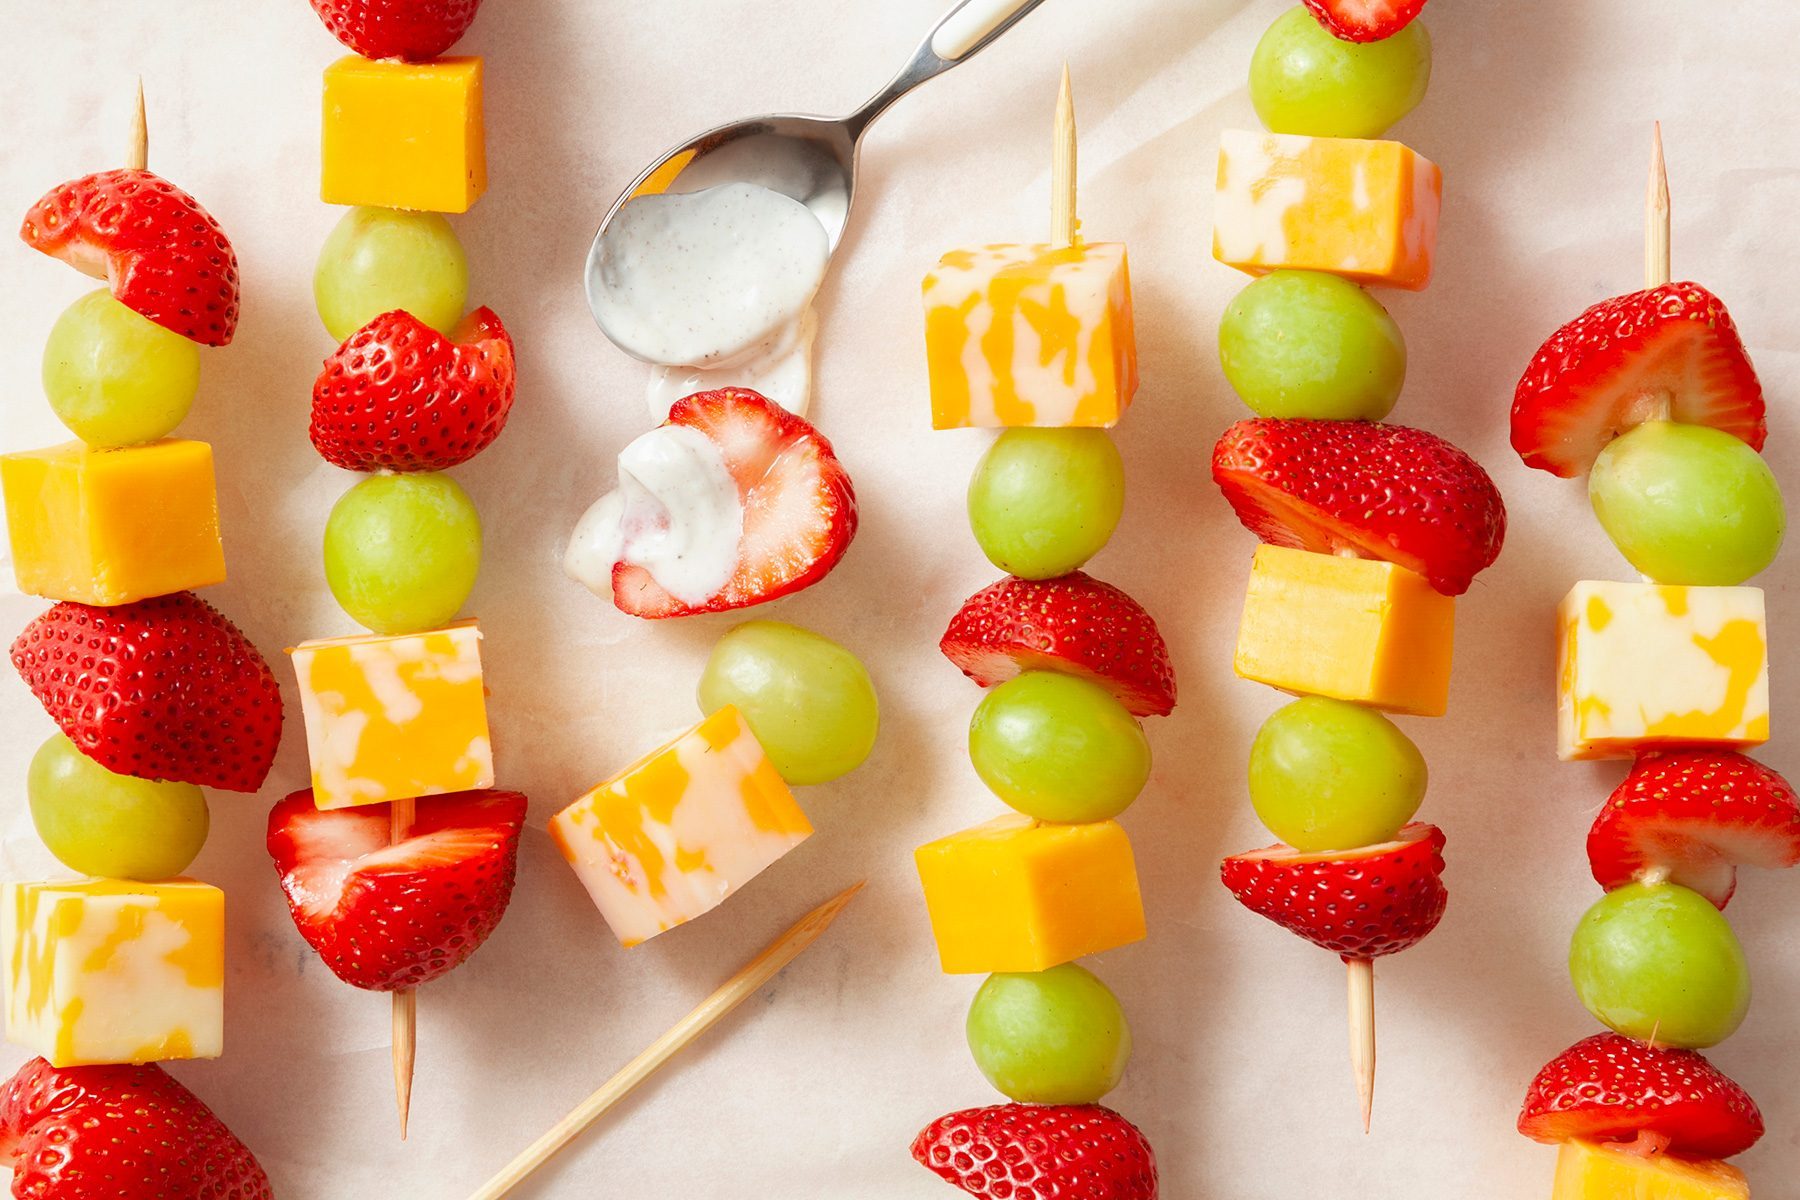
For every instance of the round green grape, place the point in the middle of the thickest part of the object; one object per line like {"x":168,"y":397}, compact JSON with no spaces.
{"x":1305,"y":81}
{"x":1305,"y":344}
{"x":1044,"y":501}
{"x":118,"y":826}
{"x":1053,"y":1037}
{"x":1657,"y":961}
{"x":807,"y":699}
{"x":381,"y":259}
{"x":402,"y":551}
{"x":1059,"y":748}
{"x":115,"y":378}
{"x":1326,"y":775}
{"x":1688,"y":504}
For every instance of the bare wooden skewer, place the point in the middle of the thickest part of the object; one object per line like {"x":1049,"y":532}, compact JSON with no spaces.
{"x":406,"y":1001}
{"x":712,"y":1010}
{"x":1656,"y":215}
{"x":1362,"y":1032}
{"x":137,"y":153}
{"x":1064,"y":227}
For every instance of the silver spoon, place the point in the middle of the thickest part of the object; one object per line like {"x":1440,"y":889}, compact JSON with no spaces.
{"x":811,"y":159}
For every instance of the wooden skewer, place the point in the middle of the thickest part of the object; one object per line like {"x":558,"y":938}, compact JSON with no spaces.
{"x":1362,"y":1032}
{"x":137,"y":153}
{"x":1656,"y":216}
{"x":406,"y":1002}
{"x":1064,"y":227}
{"x":712,"y":1010}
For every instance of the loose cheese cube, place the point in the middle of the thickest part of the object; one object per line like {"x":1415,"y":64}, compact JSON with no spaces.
{"x":112,"y":526}
{"x":1350,"y":628}
{"x":1365,"y":210}
{"x":672,"y":836}
{"x":1030,"y":335}
{"x":404,"y":135}
{"x":107,"y":971}
{"x":393,"y":717}
{"x":1645,"y":666}
{"x":1019,"y":895}
{"x":1589,"y":1171}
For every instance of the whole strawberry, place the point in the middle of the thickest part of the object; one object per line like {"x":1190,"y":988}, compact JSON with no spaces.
{"x":414,"y":30}
{"x":1040,"y":1152}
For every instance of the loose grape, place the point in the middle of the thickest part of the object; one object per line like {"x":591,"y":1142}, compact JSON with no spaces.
{"x":1054,"y":1037}
{"x":1044,"y":501}
{"x":119,"y":826}
{"x":1326,"y":775}
{"x":1688,"y":504}
{"x":115,"y":378}
{"x":402,"y":551}
{"x":1059,"y":748}
{"x":1305,"y":344}
{"x":1659,"y":961}
{"x":1305,"y":81}
{"x":380,"y":259}
{"x":807,"y":699}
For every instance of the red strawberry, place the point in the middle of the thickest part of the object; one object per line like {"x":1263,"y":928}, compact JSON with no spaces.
{"x":1669,"y":352}
{"x":1359,"y":903}
{"x":1075,"y":624}
{"x":1379,"y":491}
{"x":164,"y":688}
{"x":164,"y":256}
{"x":118,"y":1133}
{"x":1694,"y":817}
{"x":400,"y":396}
{"x":389,"y":916}
{"x":1610,"y":1088}
{"x":411,"y":29}
{"x":1365,"y":20}
{"x":1040,"y":1152}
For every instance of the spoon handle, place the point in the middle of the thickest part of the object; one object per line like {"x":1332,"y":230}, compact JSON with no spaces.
{"x":964,"y":32}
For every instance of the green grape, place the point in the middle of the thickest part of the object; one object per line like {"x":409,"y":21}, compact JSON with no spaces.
{"x":1327,"y":775}
{"x":1044,"y":501}
{"x":1659,"y":961}
{"x":1305,"y":81}
{"x":381,"y":259}
{"x":1054,"y":1037}
{"x":118,"y":826}
{"x":402,"y":551}
{"x":1688,"y":504}
{"x":1304,"y":344}
{"x":115,"y":378}
{"x":1059,"y":748}
{"x":807,"y":699}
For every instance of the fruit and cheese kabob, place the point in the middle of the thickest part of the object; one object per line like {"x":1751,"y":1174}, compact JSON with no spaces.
{"x":1370,"y":530}
{"x":156,"y":695}
{"x":1652,"y":396}
{"x":1037,"y":340}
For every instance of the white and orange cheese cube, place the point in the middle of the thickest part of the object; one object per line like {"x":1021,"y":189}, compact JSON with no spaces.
{"x":671,"y":837}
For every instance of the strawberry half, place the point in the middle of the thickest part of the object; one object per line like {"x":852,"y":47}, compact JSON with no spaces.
{"x":1378,"y":491}
{"x":118,"y":1133}
{"x":1361,"y":904}
{"x":164,"y":688}
{"x":1040,"y":1152}
{"x":1075,"y":624}
{"x":1694,"y":817}
{"x":1365,"y":20}
{"x":1671,"y":352}
{"x":400,"y":396}
{"x":411,"y":29}
{"x":1611,"y":1088}
{"x":164,"y":256}
{"x":384,"y":915}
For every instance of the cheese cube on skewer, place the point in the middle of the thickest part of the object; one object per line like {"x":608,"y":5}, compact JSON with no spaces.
{"x":1596,"y":1171}
{"x":404,"y":135}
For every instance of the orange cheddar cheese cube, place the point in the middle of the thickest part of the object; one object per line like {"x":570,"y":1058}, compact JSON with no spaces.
{"x":1350,"y":628}
{"x":404,"y":135}
{"x":112,"y":526}
{"x":1366,"y":210}
{"x":1030,"y":335}
{"x":1593,"y":1171}
{"x":1020,"y":895}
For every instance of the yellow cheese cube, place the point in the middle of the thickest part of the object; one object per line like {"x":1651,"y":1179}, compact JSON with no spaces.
{"x":1349,"y":628}
{"x":107,"y":971}
{"x":1644,"y":666}
{"x":394,"y":717}
{"x":1030,"y":335}
{"x":112,"y":526}
{"x":1587,"y":1171}
{"x":671,"y":837}
{"x":1019,"y":895}
{"x":1365,"y":210}
{"x":404,"y":135}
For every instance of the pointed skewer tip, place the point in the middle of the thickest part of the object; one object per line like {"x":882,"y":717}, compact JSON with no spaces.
{"x":137,"y":152}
